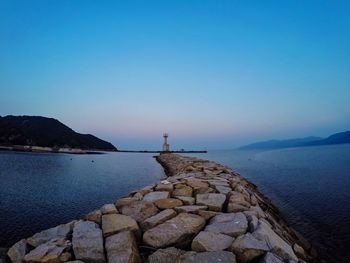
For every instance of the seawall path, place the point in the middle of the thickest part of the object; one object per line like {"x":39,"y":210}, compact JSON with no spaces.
{"x":202,"y":212}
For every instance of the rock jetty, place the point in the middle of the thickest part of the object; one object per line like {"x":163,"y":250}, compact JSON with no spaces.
{"x":202,"y":212}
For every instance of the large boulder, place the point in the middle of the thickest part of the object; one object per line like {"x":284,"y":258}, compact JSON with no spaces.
{"x":187,"y":200}
{"x":94,"y":216}
{"x":208,"y":257}
{"x":125,"y":201}
{"x":165,"y":187}
{"x":140,"y":210}
{"x":61,"y":231}
{"x":109,"y":209}
{"x":214,"y":202}
{"x":277,"y":245}
{"x":168,"y":203}
{"x":158,"y":219}
{"x":210,"y":241}
{"x":247,"y":247}
{"x":122,"y":248}
{"x":176,"y":231}
{"x":53,"y":251}
{"x":17,"y":252}
{"x":88,"y":242}
{"x":232,"y":224}
{"x":154,"y":196}
{"x":182,"y":190}
{"x":114,"y":223}
{"x":167,"y":255}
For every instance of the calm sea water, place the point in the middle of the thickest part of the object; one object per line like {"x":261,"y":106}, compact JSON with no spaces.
{"x":310,"y":185}
{"x":38,"y":191}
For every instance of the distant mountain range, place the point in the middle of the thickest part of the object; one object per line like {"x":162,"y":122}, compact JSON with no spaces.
{"x":46,"y":132}
{"x":338,"y":138}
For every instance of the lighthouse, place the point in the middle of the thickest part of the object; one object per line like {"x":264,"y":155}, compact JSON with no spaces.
{"x":165,"y":144}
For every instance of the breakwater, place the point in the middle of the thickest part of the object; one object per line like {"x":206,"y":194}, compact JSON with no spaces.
{"x":202,"y":212}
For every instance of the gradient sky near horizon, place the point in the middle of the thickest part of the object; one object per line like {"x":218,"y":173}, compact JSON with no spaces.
{"x":214,"y":74}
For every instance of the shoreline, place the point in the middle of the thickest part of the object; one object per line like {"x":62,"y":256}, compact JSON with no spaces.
{"x":202,"y":210}
{"x":40,"y":149}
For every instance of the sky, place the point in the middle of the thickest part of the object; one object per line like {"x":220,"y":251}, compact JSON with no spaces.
{"x":213,"y":74}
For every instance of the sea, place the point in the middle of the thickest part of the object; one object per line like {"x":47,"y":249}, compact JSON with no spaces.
{"x":310,"y":186}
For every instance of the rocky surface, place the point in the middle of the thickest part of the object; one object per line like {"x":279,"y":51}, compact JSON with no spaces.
{"x":202,"y":212}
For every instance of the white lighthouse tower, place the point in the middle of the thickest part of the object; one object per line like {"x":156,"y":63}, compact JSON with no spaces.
{"x":165,"y":144}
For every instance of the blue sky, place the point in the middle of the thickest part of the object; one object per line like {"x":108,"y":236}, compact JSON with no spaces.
{"x":214,"y":74}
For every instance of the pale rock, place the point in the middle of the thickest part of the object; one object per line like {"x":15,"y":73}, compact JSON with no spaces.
{"x":58,"y":232}
{"x":109,"y":209}
{"x":196,"y":183}
{"x":53,"y":251}
{"x":258,"y":210}
{"x":87,"y":242}
{"x":122,"y":248}
{"x":140,"y":210}
{"x":17,"y":252}
{"x":176,"y":231}
{"x":232,"y":224}
{"x":114,"y":223}
{"x":168,"y":203}
{"x":253,"y":222}
{"x":167,"y":255}
{"x":158,"y":219}
{"x":214,"y":202}
{"x":210,"y":241}
{"x":208,"y":257}
{"x":223,"y":189}
{"x":138,"y":196}
{"x":277,"y":245}
{"x":154,"y":196}
{"x":299,"y":251}
{"x":94,"y":216}
{"x":190,"y":208}
{"x":247,"y":247}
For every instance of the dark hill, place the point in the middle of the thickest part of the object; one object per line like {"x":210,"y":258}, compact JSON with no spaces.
{"x":46,"y":132}
{"x":337,"y":138}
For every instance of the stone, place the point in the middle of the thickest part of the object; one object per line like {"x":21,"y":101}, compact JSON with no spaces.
{"x":210,"y":241}
{"x":187,"y":200}
{"x":109,"y":209}
{"x":60,"y":231}
{"x":235,"y":208}
{"x":167,"y":255}
{"x":207,"y":214}
{"x":140,"y":210}
{"x":122,"y":248}
{"x":196,"y":183}
{"x":154,"y":196}
{"x":232,"y":224}
{"x":158,"y":219}
{"x":87,"y":242}
{"x":203,"y":190}
{"x":253,"y":222}
{"x":165,"y":187}
{"x":260,"y":213}
{"x":299,"y":251}
{"x":94,"y":216}
{"x":138,"y":196}
{"x":124,"y":201}
{"x":168,"y":203}
{"x":247,"y":248}
{"x":277,"y":245}
{"x":114,"y":223}
{"x":214,"y":202}
{"x":208,"y":257}
{"x":17,"y":252}
{"x":146,"y":190}
{"x":182,"y":190}
{"x":190,"y":208}
{"x":53,"y":251}
{"x":223,"y":189}
{"x":238,"y":198}
{"x":176,"y":231}
{"x":270,"y":258}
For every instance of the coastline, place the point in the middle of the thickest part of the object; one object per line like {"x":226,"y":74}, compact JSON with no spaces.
{"x":40,"y":149}
{"x":217,"y":214}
